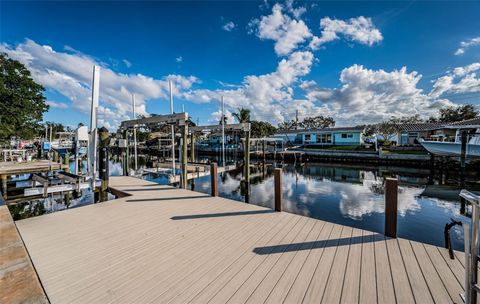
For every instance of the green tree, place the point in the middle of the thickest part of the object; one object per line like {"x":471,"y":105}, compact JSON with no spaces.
{"x":317,"y":122}
{"x":288,"y":125}
{"x":262,"y":128}
{"x":243,"y":115}
{"x":456,"y":113}
{"x":22,"y":103}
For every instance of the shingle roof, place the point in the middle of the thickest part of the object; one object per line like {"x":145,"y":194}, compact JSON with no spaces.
{"x":418,"y":126}
{"x":469,"y":122}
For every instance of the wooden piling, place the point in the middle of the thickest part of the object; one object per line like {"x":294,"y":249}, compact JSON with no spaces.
{"x":4,"y":186}
{"x":213,"y":178}
{"x":391,"y":199}
{"x":278,"y":189}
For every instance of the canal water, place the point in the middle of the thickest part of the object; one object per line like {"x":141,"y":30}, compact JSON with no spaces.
{"x":339,"y":193}
{"x":354,"y":197}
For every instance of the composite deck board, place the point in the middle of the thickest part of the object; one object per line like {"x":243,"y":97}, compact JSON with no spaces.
{"x":351,"y":283}
{"x":368,"y":294}
{"x":283,"y":285}
{"x":167,"y":245}
{"x":385,"y":291}
{"x":401,"y":283}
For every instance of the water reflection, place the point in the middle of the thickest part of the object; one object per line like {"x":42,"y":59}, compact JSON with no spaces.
{"x":351,"y":196}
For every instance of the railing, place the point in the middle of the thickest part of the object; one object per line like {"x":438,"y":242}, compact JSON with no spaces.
{"x":471,"y":249}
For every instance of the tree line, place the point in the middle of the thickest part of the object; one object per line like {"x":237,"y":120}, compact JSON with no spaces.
{"x":22,"y":107}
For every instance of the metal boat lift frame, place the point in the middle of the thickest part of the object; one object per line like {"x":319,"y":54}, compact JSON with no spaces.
{"x":179,"y":119}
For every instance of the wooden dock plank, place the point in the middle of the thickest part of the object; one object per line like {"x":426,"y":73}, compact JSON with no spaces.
{"x":262,"y":261}
{"x":351,"y":284}
{"x":444,"y":272}
{"x":420,"y":289}
{"x":263,"y":289}
{"x":403,"y":289}
{"x":385,"y":291}
{"x":226,"y":277}
{"x":283,"y":285}
{"x":333,"y":290}
{"x":435,"y":284}
{"x":302,"y":281}
{"x":368,"y":282}
{"x":319,"y":281}
{"x":167,"y":245}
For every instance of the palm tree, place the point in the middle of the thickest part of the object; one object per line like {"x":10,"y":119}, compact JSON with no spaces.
{"x":243,"y":115}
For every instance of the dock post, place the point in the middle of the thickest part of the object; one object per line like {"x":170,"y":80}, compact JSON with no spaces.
{"x":66,"y":162}
{"x":184,"y":178}
{"x":246,"y":165}
{"x":213,"y":178}
{"x":391,"y":198}
{"x":278,"y":190}
{"x":4,"y":186}
{"x":192,"y":147}
{"x":104,"y":137}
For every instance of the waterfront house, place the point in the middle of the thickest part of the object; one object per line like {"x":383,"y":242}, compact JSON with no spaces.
{"x":410,"y":133}
{"x":340,"y":136}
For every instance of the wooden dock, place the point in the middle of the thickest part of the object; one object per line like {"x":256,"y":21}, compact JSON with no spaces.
{"x":36,"y":166}
{"x":166,"y":245}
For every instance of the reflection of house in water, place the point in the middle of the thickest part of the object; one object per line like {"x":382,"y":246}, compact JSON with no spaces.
{"x":349,"y":175}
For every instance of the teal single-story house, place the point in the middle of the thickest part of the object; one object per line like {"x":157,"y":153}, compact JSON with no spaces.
{"x":342,"y":136}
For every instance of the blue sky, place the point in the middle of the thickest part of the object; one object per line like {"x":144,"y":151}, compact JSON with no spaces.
{"x":257,"y":55}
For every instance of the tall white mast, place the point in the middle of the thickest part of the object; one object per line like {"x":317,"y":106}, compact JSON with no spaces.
{"x":134,"y":135}
{"x":223,"y":132}
{"x":93,"y":124}
{"x":173,"y":128}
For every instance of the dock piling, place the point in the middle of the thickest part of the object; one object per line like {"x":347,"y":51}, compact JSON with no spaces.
{"x":391,"y":198}
{"x":214,"y":180}
{"x":278,"y":190}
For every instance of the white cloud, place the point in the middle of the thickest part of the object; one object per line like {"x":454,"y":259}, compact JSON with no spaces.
{"x":127,"y":63}
{"x":367,"y":96}
{"x":229,"y":26}
{"x":56,"y":104}
{"x":179,"y":59}
{"x":359,"y":29}
{"x":296,"y":12}
{"x":461,"y":80}
{"x":217,"y":117}
{"x":269,"y":96}
{"x":287,"y":33}
{"x":71,"y":75}
{"x":464,"y":45}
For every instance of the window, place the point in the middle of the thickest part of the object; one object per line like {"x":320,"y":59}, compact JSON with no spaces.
{"x":347,"y":135}
{"x":307,"y":137}
{"x":324,"y":138}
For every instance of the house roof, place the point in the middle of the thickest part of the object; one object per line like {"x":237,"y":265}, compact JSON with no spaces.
{"x":474,"y":122}
{"x":337,"y":129}
{"x":418,"y":126}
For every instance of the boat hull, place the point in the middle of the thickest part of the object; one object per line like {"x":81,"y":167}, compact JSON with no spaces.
{"x":450,"y":148}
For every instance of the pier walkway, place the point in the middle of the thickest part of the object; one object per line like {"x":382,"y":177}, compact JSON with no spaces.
{"x":166,"y":245}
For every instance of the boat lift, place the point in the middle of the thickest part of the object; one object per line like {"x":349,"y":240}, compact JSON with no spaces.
{"x":178,"y":119}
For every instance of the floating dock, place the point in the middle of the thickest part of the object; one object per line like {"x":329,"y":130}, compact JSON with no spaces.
{"x":161,"y":244}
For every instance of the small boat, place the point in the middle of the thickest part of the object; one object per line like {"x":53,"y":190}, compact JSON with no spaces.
{"x":446,"y":148}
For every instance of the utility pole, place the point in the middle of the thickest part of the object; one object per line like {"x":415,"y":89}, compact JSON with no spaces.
{"x":296,"y":119}
{"x":172,"y":128}
{"x":134,"y":135}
